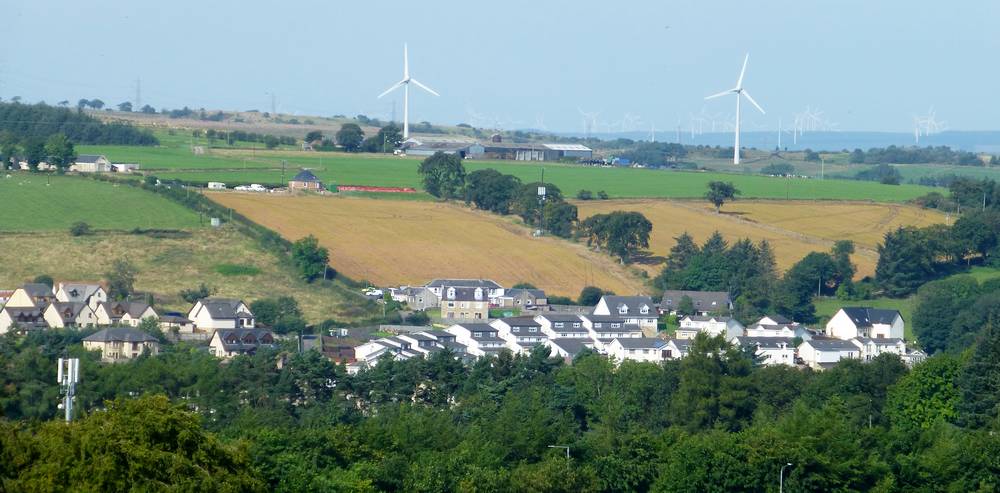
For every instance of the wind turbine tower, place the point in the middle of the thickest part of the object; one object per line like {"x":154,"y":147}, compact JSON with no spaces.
{"x":738,"y":91}
{"x":405,"y":84}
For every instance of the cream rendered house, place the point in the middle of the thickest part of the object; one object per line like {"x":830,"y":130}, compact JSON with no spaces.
{"x":121,"y":344}
{"x":123,"y":312}
{"x":31,"y":295}
{"x":69,"y":314}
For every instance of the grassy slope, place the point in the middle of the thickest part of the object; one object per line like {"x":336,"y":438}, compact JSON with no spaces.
{"x":168,"y":265}
{"x":30,"y":204}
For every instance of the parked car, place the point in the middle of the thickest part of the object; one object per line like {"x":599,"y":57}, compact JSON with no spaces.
{"x":375,"y":292}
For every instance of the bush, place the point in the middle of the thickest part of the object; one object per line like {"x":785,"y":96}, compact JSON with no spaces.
{"x":418,"y":318}
{"x":602,"y":195}
{"x":44,"y":279}
{"x":237,"y":269}
{"x":193,"y":295}
{"x":79,"y":228}
{"x":584,"y":195}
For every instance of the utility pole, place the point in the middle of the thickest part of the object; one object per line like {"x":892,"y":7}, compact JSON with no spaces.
{"x":68,"y":376}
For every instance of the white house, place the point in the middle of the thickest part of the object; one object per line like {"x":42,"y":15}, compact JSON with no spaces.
{"x":871,"y":348}
{"x":712,"y":325}
{"x":637,"y":310}
{"x":520,"y":333}
{"x":677,"y":348}
{"x":775,"y":320}
{"x":562,"y":325}
{"x":648,"y":349}
{"x":783,"y":330}
{"x":821,"y":354}
{"x":703,"y":302}
{"x":91,"y":163}
{"x":771,"y":350}
{"x":227,"y":343}
{"x":480,"y":339}
{"x":69,"y":314}
{"x":220,"y":313}
{"x":875,"y":323}
{"x":569,"y":348}
{"x":89,"y":293}
{"x":605,"y":328}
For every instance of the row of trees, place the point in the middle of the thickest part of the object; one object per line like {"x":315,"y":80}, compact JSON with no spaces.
{"x":748,"y":272}
{"x":434,"y":424}
{"x":914,"y":155}
{"x":909,"y":257}
{"x":32,"y":122}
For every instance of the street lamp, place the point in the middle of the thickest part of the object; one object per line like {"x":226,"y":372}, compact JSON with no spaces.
{"x":563,"y":447}
{"x":781,"y":478}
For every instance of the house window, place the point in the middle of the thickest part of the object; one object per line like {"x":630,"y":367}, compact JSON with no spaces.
{"x":576,"y":325}
{"x":532,"y":329}
{"x":615,"y":325}
{"x":558,"y":325}
{"x":451,"y":304}
{"x":477,"y":335}
{"x":644,"y":309}
{"x":623,"y":309}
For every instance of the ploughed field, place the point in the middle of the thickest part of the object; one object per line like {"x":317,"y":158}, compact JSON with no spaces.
{"x":794,"y":228}
{"x":392,"y":242}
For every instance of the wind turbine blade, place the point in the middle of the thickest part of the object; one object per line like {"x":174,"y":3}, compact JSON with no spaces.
{"x":754,"y":102}
{"x":406,"y":63}
{"x":719,"y":95}
{"x":739,"y":83}
{"x":417,"y":82}
{"x":393,"y":88}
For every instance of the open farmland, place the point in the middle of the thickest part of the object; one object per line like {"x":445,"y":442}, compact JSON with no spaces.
{"x":32,"y":202}
{"x":168,"y":265}
{"x":409,"y":242}
{"x":793,"y":228}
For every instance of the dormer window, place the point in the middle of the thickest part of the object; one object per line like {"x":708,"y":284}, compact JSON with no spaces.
{"x":558,"y":325}
{"x":615,"y":325}
{"x":479,"y":293}
{"x":622,"y":310}
{"x":451,"y":293}
{"x":644,"y":310}
{"x":576,"y":325}
{"x":532,"y":329}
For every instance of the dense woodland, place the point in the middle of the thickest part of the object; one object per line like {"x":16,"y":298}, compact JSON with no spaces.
{"x":714,"y":421}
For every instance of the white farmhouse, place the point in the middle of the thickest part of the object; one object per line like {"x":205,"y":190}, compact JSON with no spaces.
{"x":875,"y":323}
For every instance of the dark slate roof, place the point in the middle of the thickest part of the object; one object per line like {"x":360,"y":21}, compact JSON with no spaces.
{"x":832,"y":344}
{"x":632,"y":302}
{"x":516,"y":292}
{"x":88,"y":158}
{"x":305,"y":175}
{"x":36,"y":290}
{"x":241,"y":335}
{"x":464,"y":294}
{"x":478,"y":327}
{"x":623,"y":328}
{"x":29,"y":316}
{"x":603,"y":318}
{"x":174,"y":319}
{"x":133,"y":308}
{"x":122,"y":334}
{"x":560,"y":317}
{"x":780,"y":319}
{"x":881,"y":341}
{"x":702,"y":300}
{"x":641,"y":342}
{"x":221,"y":308}
{"x":524,"y":321}
{"x":572,"y":345}
{"x":764,"y":342}
{"x":68,"y":310}
{"x":79,"y":291}
{"x":464,"y":283}
{"x":706,"y":318}
{"x":865,"y":316}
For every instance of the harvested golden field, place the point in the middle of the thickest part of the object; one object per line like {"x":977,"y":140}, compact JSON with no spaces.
{"x":392,"y":242}
{"x":793,"y":228}
{"x":168,"y":265}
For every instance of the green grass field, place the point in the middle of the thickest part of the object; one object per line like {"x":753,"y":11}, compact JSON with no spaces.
{"x":32,"y":203}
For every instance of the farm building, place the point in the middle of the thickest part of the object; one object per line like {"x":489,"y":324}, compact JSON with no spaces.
{"x":91,"y":163}
{"x":305,"y":180}
{"x":497,"y":149}
{"x":462,"y":149}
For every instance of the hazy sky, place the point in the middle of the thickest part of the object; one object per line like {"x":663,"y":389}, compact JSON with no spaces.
{"x":866,"y":64}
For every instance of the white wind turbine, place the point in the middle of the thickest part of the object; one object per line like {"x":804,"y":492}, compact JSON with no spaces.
{"x":738,"y":90}
{"x":405,"y":84}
